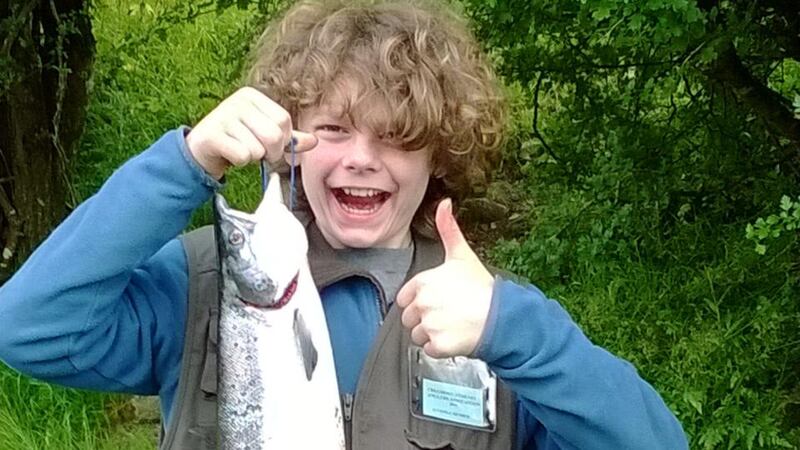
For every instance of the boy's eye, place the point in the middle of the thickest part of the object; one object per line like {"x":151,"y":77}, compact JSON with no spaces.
{"x":331,"y":128}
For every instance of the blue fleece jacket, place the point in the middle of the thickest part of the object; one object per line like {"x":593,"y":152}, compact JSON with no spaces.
{"x":101,"y":304}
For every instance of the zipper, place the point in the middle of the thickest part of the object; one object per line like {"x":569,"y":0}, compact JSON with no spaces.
{"x":347,"y":406}
{"x":380,"y":302}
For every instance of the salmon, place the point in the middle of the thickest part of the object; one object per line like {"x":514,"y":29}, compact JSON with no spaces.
{"x":278,"y":387}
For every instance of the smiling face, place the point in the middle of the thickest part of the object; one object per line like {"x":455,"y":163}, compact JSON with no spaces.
{"x":362,"y":189}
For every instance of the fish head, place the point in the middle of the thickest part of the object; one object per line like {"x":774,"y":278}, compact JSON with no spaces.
{"x":262,"y":253}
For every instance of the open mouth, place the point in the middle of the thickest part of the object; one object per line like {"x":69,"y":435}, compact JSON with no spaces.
{"x":360,"y":200}
{"x":288,"y":293}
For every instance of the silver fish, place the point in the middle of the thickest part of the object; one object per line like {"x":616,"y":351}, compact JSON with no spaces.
{"x":277,"y":386}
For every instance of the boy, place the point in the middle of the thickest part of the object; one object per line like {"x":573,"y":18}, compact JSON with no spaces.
{"x":395,"y":112}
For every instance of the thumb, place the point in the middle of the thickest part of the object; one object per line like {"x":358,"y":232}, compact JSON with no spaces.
{"x":305,"y":141}
{"x":455,"y":245}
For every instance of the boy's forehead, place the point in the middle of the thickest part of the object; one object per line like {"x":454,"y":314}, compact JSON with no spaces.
{"x":348,"y":101}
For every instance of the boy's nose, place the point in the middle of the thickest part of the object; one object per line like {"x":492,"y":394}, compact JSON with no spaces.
{"x":362,"y":156}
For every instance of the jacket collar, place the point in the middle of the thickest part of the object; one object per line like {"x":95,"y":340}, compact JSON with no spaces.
{"x":327,"y":268}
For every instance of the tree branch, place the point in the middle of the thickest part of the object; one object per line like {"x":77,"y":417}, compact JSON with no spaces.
{"x":21,"y":17}
{"x":773,"y":108}
{"x":536,"y":132}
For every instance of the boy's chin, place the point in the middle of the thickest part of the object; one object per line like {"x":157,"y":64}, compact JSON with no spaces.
{"x":357,"y":239}
{"x":361,"y":238}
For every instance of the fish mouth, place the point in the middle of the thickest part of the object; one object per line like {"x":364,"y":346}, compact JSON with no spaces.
{"x":288,"y":293}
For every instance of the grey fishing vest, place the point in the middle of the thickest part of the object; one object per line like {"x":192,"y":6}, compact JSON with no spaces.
{"x":381,"y":417}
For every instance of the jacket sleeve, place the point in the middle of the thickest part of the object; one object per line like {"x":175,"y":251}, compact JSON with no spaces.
{"x":101,"y":304}
{"x":572,"y":393}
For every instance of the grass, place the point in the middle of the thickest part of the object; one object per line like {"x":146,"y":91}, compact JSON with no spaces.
{"x":154,"y":71}
{"x":36,"y":415}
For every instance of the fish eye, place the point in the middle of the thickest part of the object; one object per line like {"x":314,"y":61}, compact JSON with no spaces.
{"x":236,"y":237}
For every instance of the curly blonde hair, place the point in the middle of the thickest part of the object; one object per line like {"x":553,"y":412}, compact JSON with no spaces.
{"x":419,"y":58}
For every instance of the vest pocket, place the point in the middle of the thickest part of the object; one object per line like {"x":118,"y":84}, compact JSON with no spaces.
{"x":444,"y":437}
{"x":419,"y":443}
{"x":208,"y":376}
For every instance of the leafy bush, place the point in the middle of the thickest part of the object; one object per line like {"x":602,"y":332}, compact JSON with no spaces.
{"x":774,"y":225}
{"x":639,"y":178}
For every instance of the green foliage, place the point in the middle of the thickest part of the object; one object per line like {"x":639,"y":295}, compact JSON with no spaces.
{"x":161,"y":64}
{"x":36,"y":415}
{"x":775,"y":224}
{"x":786,"y":80}
{"x":638,"y":173}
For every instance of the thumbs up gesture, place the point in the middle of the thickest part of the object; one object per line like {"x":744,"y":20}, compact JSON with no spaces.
{"x":446,"y":307}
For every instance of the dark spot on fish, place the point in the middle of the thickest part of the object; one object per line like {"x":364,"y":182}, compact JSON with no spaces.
{"x":305,"y":344}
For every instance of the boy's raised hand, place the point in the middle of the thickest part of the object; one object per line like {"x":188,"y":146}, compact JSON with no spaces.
{"x":446,"y":307}
{"x":245,"y":127}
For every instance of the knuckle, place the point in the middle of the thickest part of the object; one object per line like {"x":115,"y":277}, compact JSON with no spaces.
{"x":408,"y":317}
{"x":283,"y":119}
{"x":238,"y":158}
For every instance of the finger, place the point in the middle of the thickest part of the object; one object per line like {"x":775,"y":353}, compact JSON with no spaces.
{"x":268,"y":134}
{"x":231,"y":150}
{"x":249,"y":148}
{"x":410,"y":317}
{"x":274,"y":111}
{"x":455,"y":245}
{"x":408,"y":292}
{"x":433,"y":351}
{"x":419,"y":336}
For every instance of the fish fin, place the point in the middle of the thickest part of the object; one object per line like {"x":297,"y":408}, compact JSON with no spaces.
{"x":305,"y":345}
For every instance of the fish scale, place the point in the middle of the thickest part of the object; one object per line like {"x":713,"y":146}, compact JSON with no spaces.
{"x":277,"y":387}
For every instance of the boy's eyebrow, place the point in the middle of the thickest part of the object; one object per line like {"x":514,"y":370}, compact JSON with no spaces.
{"x":323,"y":115}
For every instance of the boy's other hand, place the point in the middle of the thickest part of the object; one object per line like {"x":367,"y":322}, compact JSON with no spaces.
{"x":446,"y":307}
{"x":245,"y":127}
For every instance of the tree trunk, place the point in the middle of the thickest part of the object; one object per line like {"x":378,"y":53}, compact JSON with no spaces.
{"x":49,"y":50}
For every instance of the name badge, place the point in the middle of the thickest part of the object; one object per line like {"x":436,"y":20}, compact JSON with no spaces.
{"x":457,"y":391}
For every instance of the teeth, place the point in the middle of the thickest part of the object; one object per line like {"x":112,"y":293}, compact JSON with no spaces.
{"x":358,"y":211}
{"x":358,"y":192}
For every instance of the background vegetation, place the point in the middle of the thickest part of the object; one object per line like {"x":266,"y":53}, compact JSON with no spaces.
{"x":650,"y":180}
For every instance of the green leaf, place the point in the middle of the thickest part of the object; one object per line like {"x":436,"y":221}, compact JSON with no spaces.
{"x":786,"y":203}
{"x":635,"y":22}
{"x":761,"y":249}
{"x":602,"y":12}
{"x":695,"y":399}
